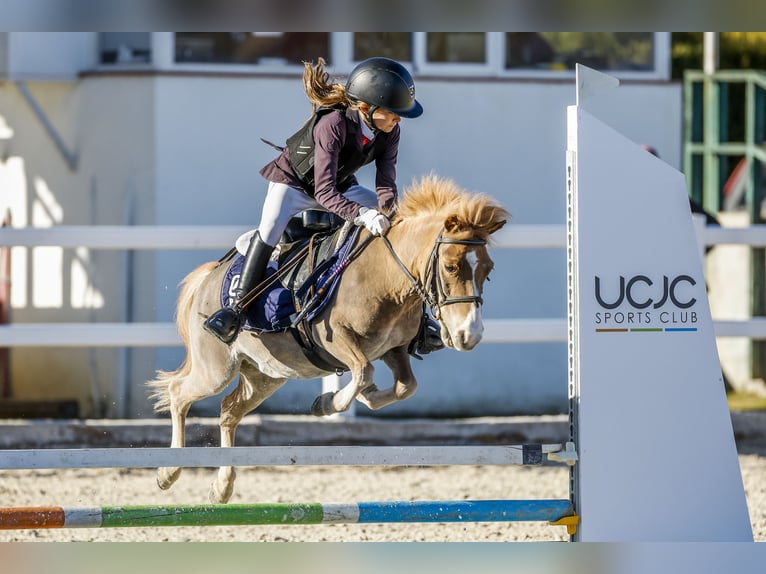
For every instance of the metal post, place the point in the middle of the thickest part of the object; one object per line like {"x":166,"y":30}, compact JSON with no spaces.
{"x":711,"y":192}
{"x":710,"y":54}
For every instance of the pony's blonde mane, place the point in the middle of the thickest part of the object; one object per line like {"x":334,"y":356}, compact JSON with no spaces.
{"x":441,"y":197}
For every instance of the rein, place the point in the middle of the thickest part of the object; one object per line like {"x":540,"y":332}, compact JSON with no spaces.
{"x":431,"y":291}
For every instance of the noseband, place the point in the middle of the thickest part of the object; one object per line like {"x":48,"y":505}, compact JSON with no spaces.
{"x":431,"y":291}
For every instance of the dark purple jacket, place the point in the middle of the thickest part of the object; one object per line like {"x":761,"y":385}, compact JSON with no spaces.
{"x":334,"y":131}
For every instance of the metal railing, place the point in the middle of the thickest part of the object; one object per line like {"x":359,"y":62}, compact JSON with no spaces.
{"x":163,"y":334}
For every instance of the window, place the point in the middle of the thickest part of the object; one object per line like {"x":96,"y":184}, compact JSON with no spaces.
{"x":604,"y":51}
{"x":456,"y":53}
{"x":458,"y":47}
{"x":627,"y":55}
{"x":263,"y":48}
{"x":124,"y":48}
{"x":394,"y":45}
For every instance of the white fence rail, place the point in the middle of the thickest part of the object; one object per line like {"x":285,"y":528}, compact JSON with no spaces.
{"x":221,"y":237}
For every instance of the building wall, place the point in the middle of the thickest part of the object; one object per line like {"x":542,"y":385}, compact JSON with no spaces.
{"x":171,"y":149}
{"x":108,"y":124}
{"x":504,"y":138}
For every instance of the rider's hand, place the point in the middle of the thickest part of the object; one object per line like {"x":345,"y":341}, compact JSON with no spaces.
{"x":375,"y":222}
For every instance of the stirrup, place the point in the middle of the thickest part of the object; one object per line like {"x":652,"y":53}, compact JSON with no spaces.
{"x":224,"y":324}
{"x":428,"y":338}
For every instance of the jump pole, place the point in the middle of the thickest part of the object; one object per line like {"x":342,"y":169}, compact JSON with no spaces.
{"x":523,"y":454}
{"x":554,"y":511}
{"x":648,"y":412}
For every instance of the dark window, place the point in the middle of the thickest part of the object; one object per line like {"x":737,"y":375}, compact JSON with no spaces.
{"x":394,"y":45}
{"x":626,"y":51}
{"x":456,"y":47}
{"x":124,"y":47}
{"x":251,"y":47}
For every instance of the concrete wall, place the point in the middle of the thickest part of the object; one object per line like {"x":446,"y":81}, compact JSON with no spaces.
{"x":505,"y":138}
{"x":182,"y":149}
{"x":108,"y":123}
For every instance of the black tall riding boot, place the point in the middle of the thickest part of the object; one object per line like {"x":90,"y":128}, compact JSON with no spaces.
{"x":227,"y":321}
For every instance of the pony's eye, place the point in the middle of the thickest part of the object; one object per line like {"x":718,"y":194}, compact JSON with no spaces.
{"x":451,"y":269}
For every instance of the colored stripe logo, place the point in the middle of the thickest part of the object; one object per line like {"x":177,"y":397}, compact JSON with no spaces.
{"x":649,"y":330}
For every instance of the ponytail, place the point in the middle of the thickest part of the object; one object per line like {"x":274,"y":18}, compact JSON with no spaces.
{"x":319,"y":90}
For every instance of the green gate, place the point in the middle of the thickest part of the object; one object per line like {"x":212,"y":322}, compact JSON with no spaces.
{"x":724,"y":136}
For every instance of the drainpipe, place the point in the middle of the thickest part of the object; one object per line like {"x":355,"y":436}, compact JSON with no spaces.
{"x":122,"y":394}
{"x":97,"y":398}
{"x":5,"y":306}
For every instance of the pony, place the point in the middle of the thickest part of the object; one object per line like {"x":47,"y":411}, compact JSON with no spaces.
{"x":434,"y":254}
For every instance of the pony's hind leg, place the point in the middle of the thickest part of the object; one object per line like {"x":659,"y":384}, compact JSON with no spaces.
{"x":209,"y":365}
{"x":254,"y":387}
{"x":168,"y":475}
{"x":200,"y":382}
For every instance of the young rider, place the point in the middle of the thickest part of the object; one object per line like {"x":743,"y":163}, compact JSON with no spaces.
{"x":351,"y":125}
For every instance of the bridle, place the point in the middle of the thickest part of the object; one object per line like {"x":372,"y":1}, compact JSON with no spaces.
{"x":431,"y":291}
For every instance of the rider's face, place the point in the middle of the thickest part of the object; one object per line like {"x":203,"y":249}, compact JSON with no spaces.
{"x":384,"y":120}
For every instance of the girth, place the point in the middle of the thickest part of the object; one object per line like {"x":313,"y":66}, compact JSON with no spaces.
{"x":317,"y":355}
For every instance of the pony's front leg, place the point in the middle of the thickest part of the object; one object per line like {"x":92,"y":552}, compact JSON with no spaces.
{"x":405,"y":384}
{"x":339,"y":401}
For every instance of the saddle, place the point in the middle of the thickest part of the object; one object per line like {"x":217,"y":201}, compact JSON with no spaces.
{"x":310,"y":254}
{"x":307,"y":269}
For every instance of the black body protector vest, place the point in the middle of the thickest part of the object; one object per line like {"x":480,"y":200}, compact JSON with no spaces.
{"x":351,"y":158}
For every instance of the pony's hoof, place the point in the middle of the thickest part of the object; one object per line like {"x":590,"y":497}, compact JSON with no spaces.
{"x":322,"y":405}
{"x":217,"y":497}
{"x":167,"y":477}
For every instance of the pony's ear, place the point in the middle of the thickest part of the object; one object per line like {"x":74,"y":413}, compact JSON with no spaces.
{"x":453,"y":224}
{"x":495,"y":226}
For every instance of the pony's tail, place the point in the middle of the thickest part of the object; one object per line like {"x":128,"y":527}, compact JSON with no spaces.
{"x":189,"y":287}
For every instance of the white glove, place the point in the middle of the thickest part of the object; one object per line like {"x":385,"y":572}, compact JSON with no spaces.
{"x":375,"y":222}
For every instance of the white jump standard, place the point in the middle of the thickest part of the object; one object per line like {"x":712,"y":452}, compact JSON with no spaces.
{"x":648,"y":412}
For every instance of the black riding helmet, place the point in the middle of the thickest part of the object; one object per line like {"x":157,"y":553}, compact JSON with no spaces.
{"x":384,"y":83}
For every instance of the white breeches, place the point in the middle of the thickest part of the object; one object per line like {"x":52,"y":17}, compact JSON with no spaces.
{"x":283,"y":202}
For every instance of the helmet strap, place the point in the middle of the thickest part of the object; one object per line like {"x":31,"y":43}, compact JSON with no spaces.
{"x":370,"y":121}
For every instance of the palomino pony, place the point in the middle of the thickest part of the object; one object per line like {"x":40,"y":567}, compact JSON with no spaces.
{"x":435,"y":251}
